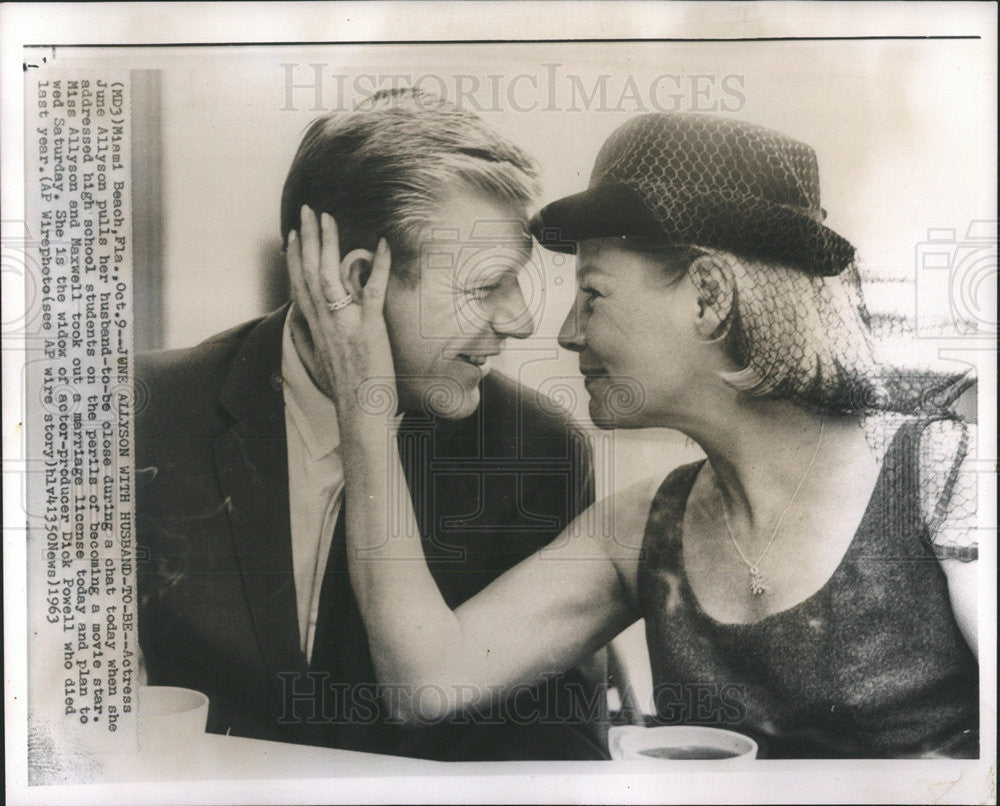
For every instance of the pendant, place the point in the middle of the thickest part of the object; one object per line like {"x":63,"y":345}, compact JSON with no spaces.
{"x":757,"y":586}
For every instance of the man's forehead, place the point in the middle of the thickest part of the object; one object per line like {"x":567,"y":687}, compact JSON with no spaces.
{"x":474,"y":264}
{"x":474,"y":233}
{"x":477,"y":214}
{"x":509,"y":233}
{"x":491,"y":247}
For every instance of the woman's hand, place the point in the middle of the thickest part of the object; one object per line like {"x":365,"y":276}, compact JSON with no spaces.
{"x":350,"y":344}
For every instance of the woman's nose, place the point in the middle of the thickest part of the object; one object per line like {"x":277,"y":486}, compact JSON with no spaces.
{"x":571,"y":335}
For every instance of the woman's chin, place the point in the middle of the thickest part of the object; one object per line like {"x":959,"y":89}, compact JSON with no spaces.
{"x":609,"y":420}
{"x":620,"y":404}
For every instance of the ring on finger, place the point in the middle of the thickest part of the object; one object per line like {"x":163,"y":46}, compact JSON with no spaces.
{"x":338,"y":304}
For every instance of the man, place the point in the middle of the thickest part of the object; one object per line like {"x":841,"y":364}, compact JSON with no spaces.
{"x":245,"y":595}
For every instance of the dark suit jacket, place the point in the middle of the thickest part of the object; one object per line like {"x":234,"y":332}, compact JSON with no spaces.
{"x":217,"y":596}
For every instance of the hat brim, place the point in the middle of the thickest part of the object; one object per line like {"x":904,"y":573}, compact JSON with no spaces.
{"x":605,"y":211}
{"x":750,"y":227}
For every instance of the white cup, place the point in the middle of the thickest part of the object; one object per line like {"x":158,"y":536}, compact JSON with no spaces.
{"x":170,"y":716}
{"x":680,"y":743}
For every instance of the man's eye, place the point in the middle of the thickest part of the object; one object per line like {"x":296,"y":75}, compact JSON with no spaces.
{"x":484,"y":290}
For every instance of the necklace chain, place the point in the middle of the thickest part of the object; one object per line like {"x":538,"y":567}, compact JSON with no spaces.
{"x":757,"y":586}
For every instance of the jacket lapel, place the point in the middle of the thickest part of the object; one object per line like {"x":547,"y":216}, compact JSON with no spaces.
{"x":252,"y":463}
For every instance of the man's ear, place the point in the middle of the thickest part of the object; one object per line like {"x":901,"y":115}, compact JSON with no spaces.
{"x":713,"y":280}
{"x":354,"y":270}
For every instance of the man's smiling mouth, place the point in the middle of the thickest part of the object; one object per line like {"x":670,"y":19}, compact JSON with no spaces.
{"x":478,"y":360}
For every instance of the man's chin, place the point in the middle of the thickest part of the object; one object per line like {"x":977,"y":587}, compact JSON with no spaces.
{"x":460,"y":410}
{"x":446,"y":399}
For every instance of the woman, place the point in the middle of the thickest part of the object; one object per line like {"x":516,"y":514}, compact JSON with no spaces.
{"x":794,"y":569}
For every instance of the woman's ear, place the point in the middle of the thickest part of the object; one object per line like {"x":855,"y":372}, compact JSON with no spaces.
{"x":708,"y":322}
{"x":713,"y":280}
{"x":354,"y":270}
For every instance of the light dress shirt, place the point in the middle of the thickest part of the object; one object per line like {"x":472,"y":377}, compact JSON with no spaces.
{"x":315,"y":483}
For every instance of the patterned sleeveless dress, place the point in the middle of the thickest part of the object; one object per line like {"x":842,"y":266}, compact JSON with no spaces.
{"x":872,"y":665}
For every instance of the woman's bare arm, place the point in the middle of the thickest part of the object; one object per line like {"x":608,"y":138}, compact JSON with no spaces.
{"x":541,"y":617}
{"x":950,"y":505}
{"x":963,"y":590}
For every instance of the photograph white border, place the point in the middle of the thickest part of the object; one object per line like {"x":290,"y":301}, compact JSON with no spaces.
{"x":151,"y":24}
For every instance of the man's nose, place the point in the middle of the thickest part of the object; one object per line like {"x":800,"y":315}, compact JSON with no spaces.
{"x":571,"y":335}
{"x":511,"y":316}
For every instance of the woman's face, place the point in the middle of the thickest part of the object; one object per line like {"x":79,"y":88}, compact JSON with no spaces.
{"x":633,"y":325}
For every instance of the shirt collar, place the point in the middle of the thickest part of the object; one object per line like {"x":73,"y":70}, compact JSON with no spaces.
{"x":311,"y":411}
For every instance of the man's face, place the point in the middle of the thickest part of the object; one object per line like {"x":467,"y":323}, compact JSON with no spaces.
{"x":460,"y":301}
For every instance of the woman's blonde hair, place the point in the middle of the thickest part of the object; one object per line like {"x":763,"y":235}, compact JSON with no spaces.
{"x":790,"y":334}
{"x":793,"y":335}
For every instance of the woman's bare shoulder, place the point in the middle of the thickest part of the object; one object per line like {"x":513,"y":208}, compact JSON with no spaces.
{"x":613,"y":528}
{"x":634,"y":502}
{"x":618,"y":520}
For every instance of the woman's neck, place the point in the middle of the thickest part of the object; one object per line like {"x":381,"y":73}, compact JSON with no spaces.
{"x":760,"y":451}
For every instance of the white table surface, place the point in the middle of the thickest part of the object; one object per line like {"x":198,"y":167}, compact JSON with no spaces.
{"x":209,"y":756}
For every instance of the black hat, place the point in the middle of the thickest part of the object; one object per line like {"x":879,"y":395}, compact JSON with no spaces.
{"x":702,"y":180}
